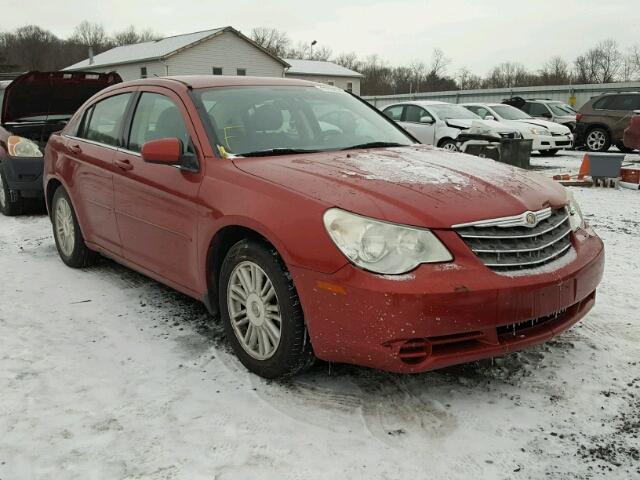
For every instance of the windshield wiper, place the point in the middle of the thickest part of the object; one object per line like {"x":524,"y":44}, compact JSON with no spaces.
{"x":374,"y":145}
{"x":277,"y":151}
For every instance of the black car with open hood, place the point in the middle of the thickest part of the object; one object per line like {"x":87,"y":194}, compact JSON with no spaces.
{"x":34,"y":105}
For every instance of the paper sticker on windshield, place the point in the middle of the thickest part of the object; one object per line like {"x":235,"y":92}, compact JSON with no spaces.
{"x":329,"y":88}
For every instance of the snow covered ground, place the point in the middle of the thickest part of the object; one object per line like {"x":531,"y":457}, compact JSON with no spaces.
{"x":105,"y":374}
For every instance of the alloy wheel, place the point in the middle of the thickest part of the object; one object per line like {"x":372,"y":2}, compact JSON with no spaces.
{"x":450,"y":146}
{"x":596,"y":140}
{"x":65,"y":228}
{"x":254,"y":310}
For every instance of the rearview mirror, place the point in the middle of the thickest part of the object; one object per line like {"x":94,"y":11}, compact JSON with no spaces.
{"x":165,"y":151}
{"x":426,"y":120}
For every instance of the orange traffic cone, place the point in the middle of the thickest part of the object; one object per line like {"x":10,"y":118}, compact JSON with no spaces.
{"x":584,"y":168}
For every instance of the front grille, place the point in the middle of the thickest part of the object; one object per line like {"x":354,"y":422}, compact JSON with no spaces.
{"x":515,"y":328}
{"x":507,"y":244}
{"x":510,"y":135}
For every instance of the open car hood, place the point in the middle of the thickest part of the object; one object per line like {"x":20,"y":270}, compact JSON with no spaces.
{"x":37,"y":94}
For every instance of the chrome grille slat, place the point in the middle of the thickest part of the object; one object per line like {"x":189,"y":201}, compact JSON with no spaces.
{"x":510,"y":244}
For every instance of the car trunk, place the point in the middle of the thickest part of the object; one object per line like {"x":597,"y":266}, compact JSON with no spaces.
{"x":36,"y":104}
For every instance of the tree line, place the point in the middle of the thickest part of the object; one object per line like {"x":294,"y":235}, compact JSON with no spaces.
{"x":34,"y":48}
{"x":606,"y":62}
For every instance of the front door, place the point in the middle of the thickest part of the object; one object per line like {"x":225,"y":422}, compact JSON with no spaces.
{"x":91,"y":151}
{"x":156,"y":204}
{"x":420,"y":124}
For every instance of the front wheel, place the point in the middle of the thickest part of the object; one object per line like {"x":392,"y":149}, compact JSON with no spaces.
{"x":261,"y":312}
{"x":8,"y":207}
{"x":449,"y":145}
{"x":598,"y":140}
{"x":66,"y":232}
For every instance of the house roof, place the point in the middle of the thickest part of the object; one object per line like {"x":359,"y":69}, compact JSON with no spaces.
{"x":319,"y":67}
{"x":158,"y":49}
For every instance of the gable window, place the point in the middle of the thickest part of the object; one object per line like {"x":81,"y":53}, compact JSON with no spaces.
{"x":217,"y":70}
{"x":143,"y":72}
{"x":241,"y":72}
{"x":349,"y":86}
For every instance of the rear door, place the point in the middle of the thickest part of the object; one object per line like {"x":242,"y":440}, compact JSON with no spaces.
{"x":155,"y":204}
{"x":91,"y":152}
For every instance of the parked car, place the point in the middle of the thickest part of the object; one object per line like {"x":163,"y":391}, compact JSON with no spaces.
{"x":33,"y":106}
{"x":351,"y":244}
{"x":602,"y":121}
{"x":632,"y":132}
{"x":543,"y":109}
{"x":440,"y":123}
{"x":548,"y":137}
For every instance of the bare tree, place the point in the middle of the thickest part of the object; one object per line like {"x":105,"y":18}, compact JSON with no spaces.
{"x":272,"y":40}
{"x":90,"y":34}
{"x":555,"y":71}
{"x":610,"y":60}
{"x":130,"y":36}
{"x":305,"y":51}
{"x":508,"y":74}
{"x":467,"y":80}
{"x":348,"y":60}
{"x":439,"y":63}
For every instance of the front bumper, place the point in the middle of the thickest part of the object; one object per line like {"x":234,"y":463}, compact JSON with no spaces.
{"x":445,"y":314}
{"x":24,"y":175}
{"x":552,"y":142}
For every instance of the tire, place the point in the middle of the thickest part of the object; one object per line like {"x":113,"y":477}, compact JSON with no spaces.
{"x":69,"y":240}
{"x":623,"y":148}
{"x":548,"y":153}
{"x":8,"y":207}
{"x":597,"y":140}
{"x":260,"y":350}
{"x":449,"y":144}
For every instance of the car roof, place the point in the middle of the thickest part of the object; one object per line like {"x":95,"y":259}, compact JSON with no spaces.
{"x":420,"y":103}
{"x":207,"y":81}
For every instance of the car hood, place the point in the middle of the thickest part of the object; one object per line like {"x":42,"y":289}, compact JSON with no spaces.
{"x":466,"y":123}
{"x":417,"y":185}
{"x":553,"y":127}
{"x":38,"y":94}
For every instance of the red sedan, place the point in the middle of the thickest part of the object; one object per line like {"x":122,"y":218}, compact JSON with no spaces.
{"x":632,"y":133}
{"x":316,"y":227}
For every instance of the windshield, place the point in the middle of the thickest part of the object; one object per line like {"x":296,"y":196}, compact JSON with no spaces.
{"x":561,"y":109}
{"x":510,"y":113}
{"x":452,"y":112}
{"x":262,"y":118}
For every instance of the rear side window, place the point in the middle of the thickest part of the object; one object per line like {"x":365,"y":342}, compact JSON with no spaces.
{"x":105,"y":122}
{"x":618,"y":102}
{"x":394,"y":113}
{"x":156,"y":117}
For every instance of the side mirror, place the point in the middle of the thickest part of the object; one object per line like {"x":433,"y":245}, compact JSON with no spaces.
{"x":426,"y":120}
{"x":490,"y":117}
{"x":164,"y":151}
{"x":636,"y":112}
{"x":546,"y":115}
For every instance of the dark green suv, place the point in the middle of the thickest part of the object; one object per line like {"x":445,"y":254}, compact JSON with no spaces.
{"x":602,"y":120}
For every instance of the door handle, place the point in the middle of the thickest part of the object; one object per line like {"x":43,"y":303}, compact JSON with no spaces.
{"x":75,"y":148}
{"x":124,"y":164}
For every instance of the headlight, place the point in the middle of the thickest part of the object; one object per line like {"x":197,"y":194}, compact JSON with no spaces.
{"x":383,"y":247}
{"x":576,"y":220}
{"x":539,"y":131}
{"x":22,"y":147}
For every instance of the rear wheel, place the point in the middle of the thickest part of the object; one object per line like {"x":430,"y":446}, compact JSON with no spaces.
{"x":261,"y":312}
{"x":66,"y":232}
{"x":598,"y":140}
{"x":8,"y":207}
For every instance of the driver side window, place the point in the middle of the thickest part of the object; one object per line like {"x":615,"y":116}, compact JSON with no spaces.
{"x":156,"y":117}
{"x":414,"y":114}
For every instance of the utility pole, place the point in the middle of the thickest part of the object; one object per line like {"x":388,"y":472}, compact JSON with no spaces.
{"x":312,"y":44}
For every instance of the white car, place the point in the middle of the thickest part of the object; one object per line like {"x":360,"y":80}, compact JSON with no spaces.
{"x":548,"y":137}
{"x":440,"y":123}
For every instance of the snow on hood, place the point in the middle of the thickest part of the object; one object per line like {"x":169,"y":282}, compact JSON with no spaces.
{"x":417,"y":185}
{"x":551,"y":126}
{"x":492,"y":125}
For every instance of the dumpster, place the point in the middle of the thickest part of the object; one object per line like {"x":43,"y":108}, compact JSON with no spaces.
{"x":516,"y":152}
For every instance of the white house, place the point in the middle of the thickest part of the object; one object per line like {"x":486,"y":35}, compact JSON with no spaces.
{"x":221,"y":51}
{"x":325,"y":72}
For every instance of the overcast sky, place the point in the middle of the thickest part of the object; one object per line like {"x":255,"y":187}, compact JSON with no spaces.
{"x":473,"y":33}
